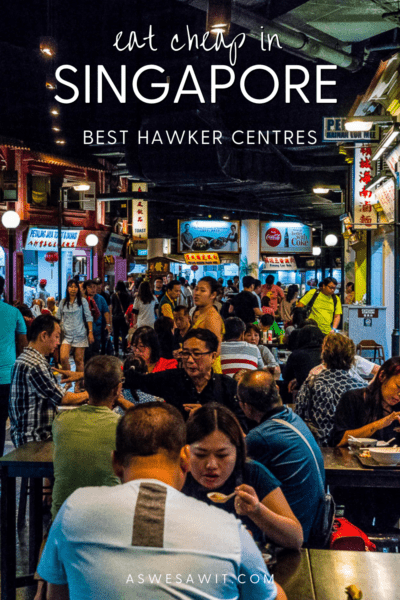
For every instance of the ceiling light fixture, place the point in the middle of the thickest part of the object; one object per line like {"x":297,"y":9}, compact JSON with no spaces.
{"x":320,"y":190}
{"x":316,"y":251}
{"x":219,"y":14}
{"x":366,"y":123}
{"x":378,"y":180}
{"x":387,"y":141}
{"x":331,"y":240}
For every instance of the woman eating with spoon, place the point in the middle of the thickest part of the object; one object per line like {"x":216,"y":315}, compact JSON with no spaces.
{"x":219,"y":468}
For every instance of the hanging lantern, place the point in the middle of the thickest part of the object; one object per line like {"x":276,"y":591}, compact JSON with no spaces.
{"x":51,"y":257}
{"x":194,"y":268}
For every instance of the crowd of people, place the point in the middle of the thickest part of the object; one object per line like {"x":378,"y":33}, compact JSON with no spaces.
{"x":185,"y":390}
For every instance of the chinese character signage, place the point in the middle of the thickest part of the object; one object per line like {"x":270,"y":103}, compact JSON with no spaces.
{"x":280,"y":263}
{"x":202,"y":236}
{"x":115,"y":244}
{"x":365,"y":216}
{"x":335,"y":131}
{"x":393,"y":159}
{"x":202,"y":258}
{"x":385,"y":195}
{"x":45,"y":239}
{"x":285,"y":238}
{"x":139,"y":214}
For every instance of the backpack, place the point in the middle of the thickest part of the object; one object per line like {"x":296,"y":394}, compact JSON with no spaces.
{"x":309,"y":306}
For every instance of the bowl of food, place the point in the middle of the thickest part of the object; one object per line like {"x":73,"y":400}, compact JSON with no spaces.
{"x":200,"y":244}
{"x":218,"y":243}
{"x":386,"y":456}
{"x":362,"y":442}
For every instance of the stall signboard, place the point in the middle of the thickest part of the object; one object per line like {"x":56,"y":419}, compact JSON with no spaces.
{"x":202,"y":258}
{"x":139,"y":214}
{"x":285,"y":238}
{"x":43,"y":239}
{"x":365,"y":216}
{"x":280,"y":263}
{"x":385,"y":195}
{"x":115,"y":244}
{"x":142,"y":252}
{"x":204,"y":236}
{"x":335,"y":131}
{"x":393,"y":159}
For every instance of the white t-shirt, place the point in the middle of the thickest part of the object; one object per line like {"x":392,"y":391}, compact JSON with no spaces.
{"x":146,"y":540}
{"x":146,"y":315}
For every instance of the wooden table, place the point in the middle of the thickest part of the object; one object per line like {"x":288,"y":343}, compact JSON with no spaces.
{"x":35,"y":461}
{"x":343,"y":468}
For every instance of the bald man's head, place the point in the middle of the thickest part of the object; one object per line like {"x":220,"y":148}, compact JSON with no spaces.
{"x":258,"y":389}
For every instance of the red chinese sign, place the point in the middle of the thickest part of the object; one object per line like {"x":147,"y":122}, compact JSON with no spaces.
{"x":202,"y":258}
{"x":365,"y":216}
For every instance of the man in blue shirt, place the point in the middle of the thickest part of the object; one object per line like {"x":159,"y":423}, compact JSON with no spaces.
{"x":12,"y":338}
{"x":280,"y":448}
{"x":101,"y":327}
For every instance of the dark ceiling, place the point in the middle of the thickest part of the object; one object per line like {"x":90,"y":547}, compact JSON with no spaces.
{"x":271,"y":180}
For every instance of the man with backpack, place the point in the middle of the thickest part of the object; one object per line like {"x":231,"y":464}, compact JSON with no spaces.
{"x":323,"y":305}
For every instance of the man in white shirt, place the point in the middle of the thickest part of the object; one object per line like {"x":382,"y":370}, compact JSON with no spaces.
{"x":144,"y":538}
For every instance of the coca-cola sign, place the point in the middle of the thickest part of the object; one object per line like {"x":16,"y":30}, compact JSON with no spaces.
{"x":273,"y":237}
{"x":285,"y":238}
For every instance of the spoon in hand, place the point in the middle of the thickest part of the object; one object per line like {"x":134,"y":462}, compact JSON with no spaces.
{"x":219,"y":498}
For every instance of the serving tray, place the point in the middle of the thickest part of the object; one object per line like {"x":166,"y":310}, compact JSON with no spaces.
{"x":371,"y":463}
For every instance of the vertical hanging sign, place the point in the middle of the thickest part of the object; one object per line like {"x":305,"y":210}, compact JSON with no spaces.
{"x":139,"y":214}
{"x":365,"y":216}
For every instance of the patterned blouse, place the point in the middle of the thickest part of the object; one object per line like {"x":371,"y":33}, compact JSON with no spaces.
{"x":319,"y":396}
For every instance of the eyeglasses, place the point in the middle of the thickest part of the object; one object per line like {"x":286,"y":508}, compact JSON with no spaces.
{"x":185,"y":354}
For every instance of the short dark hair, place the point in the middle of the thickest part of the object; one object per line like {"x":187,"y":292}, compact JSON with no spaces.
{"x":88,"y":282}
{"x":329,"y":280}
{"x":172,"y":284}
{"x":158,"y":277}
{"x":350,"y":285}
{"x":2,"y":281}
{"x":270,"y":280}
{"x":45,"y":323}
{"x":267,"y":320}
{"x":234,"y":327}
{"x":204,"y":335}
{"x":309,"y":336}
{"x":149,"y":338}
{"x":257,"y":282}
{"x":258,"y":389}
{"x":217,"y":417}
{"x":102,"y":374}
{"x":148,"y":429}
{"x":248,"y":281}
{"x":181,"y":307}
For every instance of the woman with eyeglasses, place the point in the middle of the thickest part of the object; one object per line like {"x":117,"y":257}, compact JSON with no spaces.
{"x":218,"y":463}
{"x":145,"y":345}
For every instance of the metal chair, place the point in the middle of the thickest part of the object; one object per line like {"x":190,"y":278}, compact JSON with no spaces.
{"x":372,"y":351}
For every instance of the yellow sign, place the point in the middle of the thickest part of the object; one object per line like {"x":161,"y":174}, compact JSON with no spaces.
{"x":202,"y":258}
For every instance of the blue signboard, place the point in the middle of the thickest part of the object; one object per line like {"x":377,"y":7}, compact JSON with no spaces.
{"x":203,"y":236}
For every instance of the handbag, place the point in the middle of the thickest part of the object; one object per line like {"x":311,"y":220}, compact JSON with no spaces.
{"x":346,"y":536}
{"x":321,"y":530}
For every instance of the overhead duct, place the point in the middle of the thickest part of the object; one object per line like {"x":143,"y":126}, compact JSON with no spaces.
{"x":308,"y":47}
